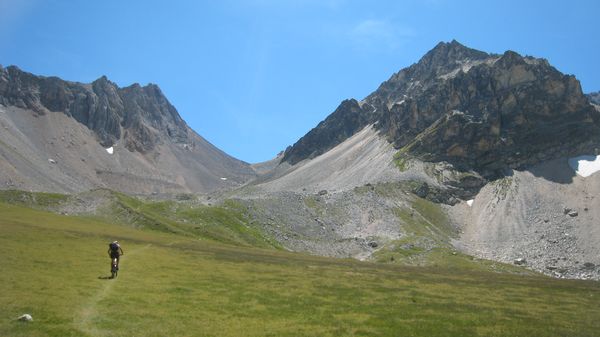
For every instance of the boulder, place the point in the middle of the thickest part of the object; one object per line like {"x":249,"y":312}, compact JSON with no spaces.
{"x":520,"y":261}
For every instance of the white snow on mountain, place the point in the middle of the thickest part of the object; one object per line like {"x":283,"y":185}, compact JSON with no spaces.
{"x":585,"y":165}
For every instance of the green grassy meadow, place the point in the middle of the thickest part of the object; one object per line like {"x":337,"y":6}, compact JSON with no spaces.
{"x":171,"y":283}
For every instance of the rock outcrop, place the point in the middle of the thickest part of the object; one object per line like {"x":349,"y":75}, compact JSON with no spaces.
{"x":99,"y":135}
{"x":480,"y":112}
{"x":141,"y":116}
{"x":511,"y":113}
{"x":345,"y":121}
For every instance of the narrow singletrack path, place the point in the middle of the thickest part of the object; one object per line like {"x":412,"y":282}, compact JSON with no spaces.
{"x":85,"y":320}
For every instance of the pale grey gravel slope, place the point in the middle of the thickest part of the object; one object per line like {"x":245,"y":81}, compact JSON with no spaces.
{"x":363,"y":158}
{"x":55,"y":153}
{"x":547,"y":216}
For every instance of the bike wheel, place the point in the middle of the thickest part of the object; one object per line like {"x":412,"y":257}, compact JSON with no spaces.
{"x":113,"y":271}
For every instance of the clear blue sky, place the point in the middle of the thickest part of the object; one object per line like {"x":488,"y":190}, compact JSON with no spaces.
{"x":254,"y":76}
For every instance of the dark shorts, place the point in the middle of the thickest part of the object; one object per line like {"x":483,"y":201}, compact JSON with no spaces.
{"x":114,"y":255}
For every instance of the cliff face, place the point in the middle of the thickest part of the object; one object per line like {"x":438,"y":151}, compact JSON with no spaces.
{"x":72,"y":124}
{"x":141,"y":116}
{"x":478,"y":111}
{"x":512,"y":112}
{"x":344,"y":122}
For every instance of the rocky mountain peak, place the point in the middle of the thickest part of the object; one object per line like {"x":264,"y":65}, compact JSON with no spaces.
{"x":98,"y":134}
{"x":140,"y":116}
{"x":509,"y":59}
{"x":102,"y":79}
{"x":445,"y":60}
{"x":511,"y":112}
{"x":445,"y":54}
{"x":475,"y":110}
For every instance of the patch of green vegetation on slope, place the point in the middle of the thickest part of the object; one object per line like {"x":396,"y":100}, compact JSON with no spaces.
{"x":140,"y":214}
{"x":505,"y":186}
{"x":172,"y":285}
{"x":428,"y":242}
{"x":435,"y":220}
{"x":38,"y":200}
{"x":402,"y":160}
{"x":226,"y":223}
{"x":313,"y":202}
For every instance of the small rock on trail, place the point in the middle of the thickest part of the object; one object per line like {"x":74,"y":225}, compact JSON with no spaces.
{"x":25,"y":318}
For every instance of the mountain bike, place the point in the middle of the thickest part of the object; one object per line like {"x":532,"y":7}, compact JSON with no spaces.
{"x":114,"y":268}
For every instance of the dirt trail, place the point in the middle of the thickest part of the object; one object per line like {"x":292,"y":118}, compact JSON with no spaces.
{"x":89,"y":311}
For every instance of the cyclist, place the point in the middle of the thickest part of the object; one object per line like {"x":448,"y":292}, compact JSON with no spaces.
{"x":115,"y":251}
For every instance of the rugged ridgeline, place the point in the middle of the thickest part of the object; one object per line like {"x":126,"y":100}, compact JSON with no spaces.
{"x":462,"y":151}
{"x":480,"y":112}
{"x":139,"y":116}
{"x":150,"y":147}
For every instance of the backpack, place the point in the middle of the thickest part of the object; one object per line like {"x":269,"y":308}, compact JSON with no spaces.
{"x":113,"y":246}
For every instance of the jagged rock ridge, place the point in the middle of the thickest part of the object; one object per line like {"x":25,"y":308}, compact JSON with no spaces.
{"x":478,"y":111}
{"x":353,"y":115}
{"x":70,"y":124}
{"x":139,"y":115}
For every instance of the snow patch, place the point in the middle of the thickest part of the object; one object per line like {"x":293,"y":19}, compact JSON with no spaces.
{"x":585,"y":165}
{"x":110,"y":150}
{"x":470,"y":202}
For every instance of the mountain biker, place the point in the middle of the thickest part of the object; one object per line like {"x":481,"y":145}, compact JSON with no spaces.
{"x":115,"y":251}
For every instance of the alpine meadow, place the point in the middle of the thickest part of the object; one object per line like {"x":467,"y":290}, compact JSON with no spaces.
{"x":299,"y":168}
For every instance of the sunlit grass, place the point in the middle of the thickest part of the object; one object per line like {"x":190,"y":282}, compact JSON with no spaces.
{"x":173,"y":285}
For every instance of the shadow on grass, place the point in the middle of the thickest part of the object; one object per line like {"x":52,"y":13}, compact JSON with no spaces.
{"x":105,"y":277}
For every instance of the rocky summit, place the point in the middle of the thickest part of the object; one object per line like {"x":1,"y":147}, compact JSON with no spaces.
{"x":100,"y":135}
{"x":141,"y":116}
{"x":477,"y":111}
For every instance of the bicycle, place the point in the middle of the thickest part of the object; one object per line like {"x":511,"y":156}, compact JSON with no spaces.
{"x":114,"y":268}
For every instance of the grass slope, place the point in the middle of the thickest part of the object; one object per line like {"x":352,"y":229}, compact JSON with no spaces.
{"x":39,"y":200}
{"x":428,"y":234}
{"x":173,"y":285}
{"x":226,"y":223}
